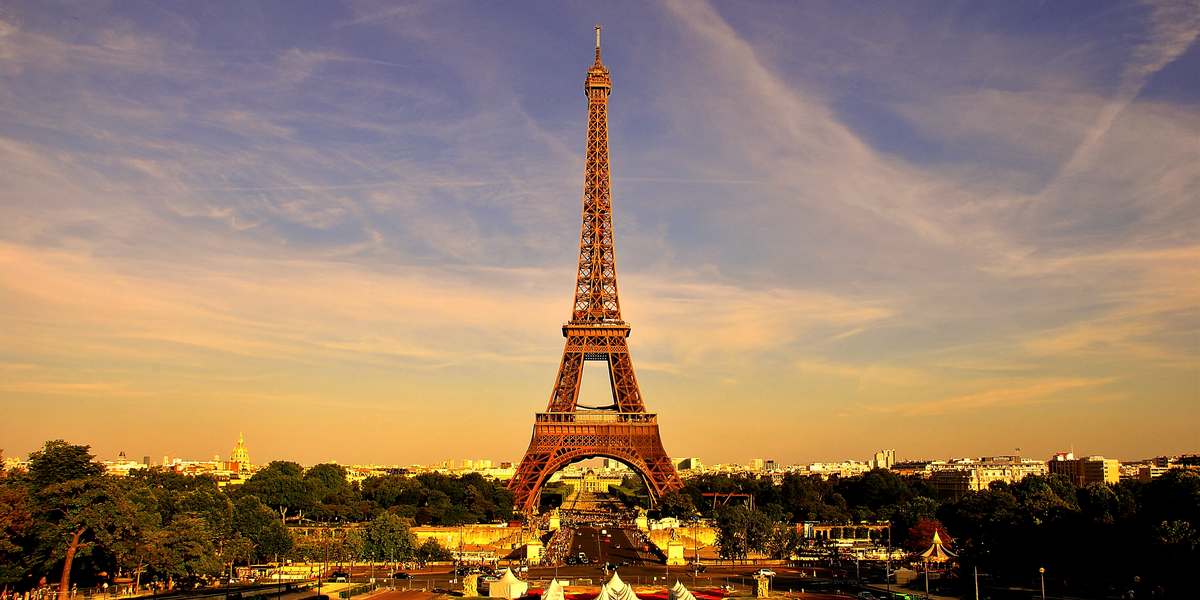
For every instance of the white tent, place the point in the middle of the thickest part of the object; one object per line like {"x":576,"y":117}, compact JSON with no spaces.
{"x":508,"y":586}
{"x":678,"y":592}
{"x":616,"y":589}
{"x":554,"y":591}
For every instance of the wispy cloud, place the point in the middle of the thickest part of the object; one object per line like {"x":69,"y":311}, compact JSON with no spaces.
{"x":240,"y":212}
{"x":1009,"y":395}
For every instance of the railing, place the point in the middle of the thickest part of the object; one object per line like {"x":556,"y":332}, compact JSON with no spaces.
{"x":596,"y":417}
{"x":359,"y":589}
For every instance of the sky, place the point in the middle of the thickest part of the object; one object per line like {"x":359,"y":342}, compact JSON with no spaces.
{"x":349,"y":230}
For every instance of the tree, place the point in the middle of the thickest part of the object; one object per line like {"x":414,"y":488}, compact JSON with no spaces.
{"x":875,"y":489}
{"x":185,"y":552}
{"x":387,"y":537}
{"x":60,"y":462}
{"x":16,"y":532}
{"x":741,"y":531}
{"x":83,"y":515}
{"x":273,"y":540}
{"x":431,"y":551}
{"x":327,"y":480}
{"x":783,"y":541}
{"x":920,"y":536}
{"x":257,"y":523}
{"x":676,"y":504}
{"x":281,"y":485}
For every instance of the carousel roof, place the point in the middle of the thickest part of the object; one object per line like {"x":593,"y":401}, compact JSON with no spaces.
{"x":937,"y":552}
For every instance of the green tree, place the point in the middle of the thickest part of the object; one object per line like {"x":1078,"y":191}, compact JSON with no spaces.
{"x":185,"y":552}
{"x":327,"y":481}
{"x":676,"y":504}
{"x":281,"y":485}
{"x":431,"y":551}
{"x":60,"y":462}
{"x":257,"y":523}
{"x":81,"y":516}
{"x":783,"y":541}
{"x":387,"y":537}
{"x":273,"y":540}
{"x":741,"y":531}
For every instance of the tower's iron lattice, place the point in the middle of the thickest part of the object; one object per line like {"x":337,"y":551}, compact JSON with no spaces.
{"x":623,"y":430}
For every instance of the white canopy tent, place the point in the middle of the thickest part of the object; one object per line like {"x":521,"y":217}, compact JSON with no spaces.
{"x":554,"y":591}
{"x":508,"y":586}
{"x":616,"y":589}
{"x":678,"y":592}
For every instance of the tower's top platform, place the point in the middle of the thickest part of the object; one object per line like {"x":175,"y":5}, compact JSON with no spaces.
{"x":597,"y":76}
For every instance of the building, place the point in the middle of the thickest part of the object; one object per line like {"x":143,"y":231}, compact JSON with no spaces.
{"x":122,"y":466}
{"x":884,"y":459}
{"x":848,"y":468}
{"x":955,"y":480}
{"x":239,"y":458}
{"x":1082,"y":471}
{"x":689,"y":464}
{"x":755,"y":465}
{"x":1146,"y":473}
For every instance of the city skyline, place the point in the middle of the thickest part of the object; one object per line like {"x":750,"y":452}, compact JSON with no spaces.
{"x":350,"y":229}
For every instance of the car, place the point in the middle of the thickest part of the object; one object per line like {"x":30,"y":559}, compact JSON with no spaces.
{"x":571,"y":560}
{"x":764,"y":573}
{"x":400,"y":576}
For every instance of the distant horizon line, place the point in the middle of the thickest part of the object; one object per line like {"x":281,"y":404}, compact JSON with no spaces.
{"x":675,"y":459}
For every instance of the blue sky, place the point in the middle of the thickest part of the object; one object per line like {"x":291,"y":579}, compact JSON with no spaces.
{"x":948,"y":228}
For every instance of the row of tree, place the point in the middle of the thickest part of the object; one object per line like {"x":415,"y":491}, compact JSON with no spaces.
{"x":323,"y":494}
{"x":64,"y":518}
{"x":1100,"y":538}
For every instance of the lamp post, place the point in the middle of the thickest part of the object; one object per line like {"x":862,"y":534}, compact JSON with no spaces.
{"x":887,"y":569}
{"x":1042,"y":577}
{"x":927,"y":579}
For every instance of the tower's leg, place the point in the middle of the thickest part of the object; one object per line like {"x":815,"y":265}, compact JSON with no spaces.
{"x":566,"y":386}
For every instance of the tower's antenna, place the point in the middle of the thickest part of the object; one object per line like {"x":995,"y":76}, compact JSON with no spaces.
{"x":597,"y":37}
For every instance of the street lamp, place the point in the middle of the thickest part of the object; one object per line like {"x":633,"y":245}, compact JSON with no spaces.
{"x":887,"y":569}
{"x":1042,"y":577}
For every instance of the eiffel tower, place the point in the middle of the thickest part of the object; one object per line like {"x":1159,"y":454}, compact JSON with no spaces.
{"x":569,"y":432}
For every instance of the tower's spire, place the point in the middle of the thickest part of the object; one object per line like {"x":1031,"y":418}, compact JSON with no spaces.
{"x":596,"y":284}
{"x":598,"y":44}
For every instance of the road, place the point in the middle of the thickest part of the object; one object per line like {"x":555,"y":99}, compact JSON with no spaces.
{"x":610,"y":544}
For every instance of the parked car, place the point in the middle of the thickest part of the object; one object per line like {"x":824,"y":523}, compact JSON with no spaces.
{"x":400,"y":575}
{"x":764,"y":573}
